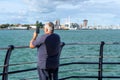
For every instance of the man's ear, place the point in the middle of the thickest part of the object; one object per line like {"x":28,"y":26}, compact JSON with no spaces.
{"x":46,"y":30}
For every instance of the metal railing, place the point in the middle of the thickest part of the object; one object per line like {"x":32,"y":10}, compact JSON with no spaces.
{"x":100,"y":63}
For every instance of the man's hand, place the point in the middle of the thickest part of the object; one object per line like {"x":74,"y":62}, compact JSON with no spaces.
{"x":34,"y":38}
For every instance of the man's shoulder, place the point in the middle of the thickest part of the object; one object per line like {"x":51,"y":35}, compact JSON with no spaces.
{"x":55,"y":34}
{"x":44,"y":35}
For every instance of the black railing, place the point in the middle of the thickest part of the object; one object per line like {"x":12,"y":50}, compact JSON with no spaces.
{"x":100,"y":71}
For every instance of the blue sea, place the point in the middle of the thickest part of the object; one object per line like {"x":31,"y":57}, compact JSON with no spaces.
{"x":72,"y":53}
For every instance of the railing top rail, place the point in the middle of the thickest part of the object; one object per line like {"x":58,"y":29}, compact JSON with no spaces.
{"x":17,"y":47}
{"x":93,"y":43}
{"x":74,"y":43}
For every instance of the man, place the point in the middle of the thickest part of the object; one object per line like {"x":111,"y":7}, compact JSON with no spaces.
{"x":48,"y":48}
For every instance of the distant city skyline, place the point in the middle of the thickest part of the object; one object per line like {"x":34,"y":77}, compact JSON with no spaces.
{"x":97,"y":12}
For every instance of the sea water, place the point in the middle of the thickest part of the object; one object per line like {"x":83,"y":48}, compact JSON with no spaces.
{"x":83,"y":53}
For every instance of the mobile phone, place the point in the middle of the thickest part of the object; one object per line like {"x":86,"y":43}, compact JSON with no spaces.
{"x":37,"y":30}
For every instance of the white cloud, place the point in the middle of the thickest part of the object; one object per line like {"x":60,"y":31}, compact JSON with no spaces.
{"x":68,"y":6}
{"x":45,"y":10}
{"x":41,"y":6}
{"x":51,"y":5}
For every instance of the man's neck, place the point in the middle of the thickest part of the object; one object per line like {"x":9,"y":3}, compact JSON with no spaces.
{"x":49,"y":32}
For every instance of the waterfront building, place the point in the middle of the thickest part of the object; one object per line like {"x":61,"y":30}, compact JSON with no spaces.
{"x":17,"y":27}
{"x":57,"y":24}
{"x":85,"y":22}
{"x":32,"y":27}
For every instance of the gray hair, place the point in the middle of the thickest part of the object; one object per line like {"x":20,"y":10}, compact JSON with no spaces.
{"x":49,"y":26}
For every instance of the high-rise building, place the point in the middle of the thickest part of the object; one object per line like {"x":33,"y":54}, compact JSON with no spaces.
{"x":85,"y":23}
{"x":57,"y":24}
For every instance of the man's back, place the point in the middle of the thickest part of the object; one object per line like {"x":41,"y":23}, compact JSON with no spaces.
{"x":52,"y":43}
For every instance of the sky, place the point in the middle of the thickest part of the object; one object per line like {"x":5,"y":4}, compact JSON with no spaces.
{"x":97,"y":12}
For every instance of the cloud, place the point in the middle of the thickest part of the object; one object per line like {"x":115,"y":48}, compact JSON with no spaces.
{"x":45,"y":6}
{"x":28,"y":11}
{"x":13,"y":18}
{"x":47,"y":10}
{"x":41,"y":6}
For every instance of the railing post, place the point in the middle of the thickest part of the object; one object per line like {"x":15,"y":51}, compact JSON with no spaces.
{"x":101,"y":61}
{"x":6,"y":62}
{"x":61,"y":46}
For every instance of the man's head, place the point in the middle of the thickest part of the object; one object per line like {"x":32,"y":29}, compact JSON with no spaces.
{"x":49,"y":28}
